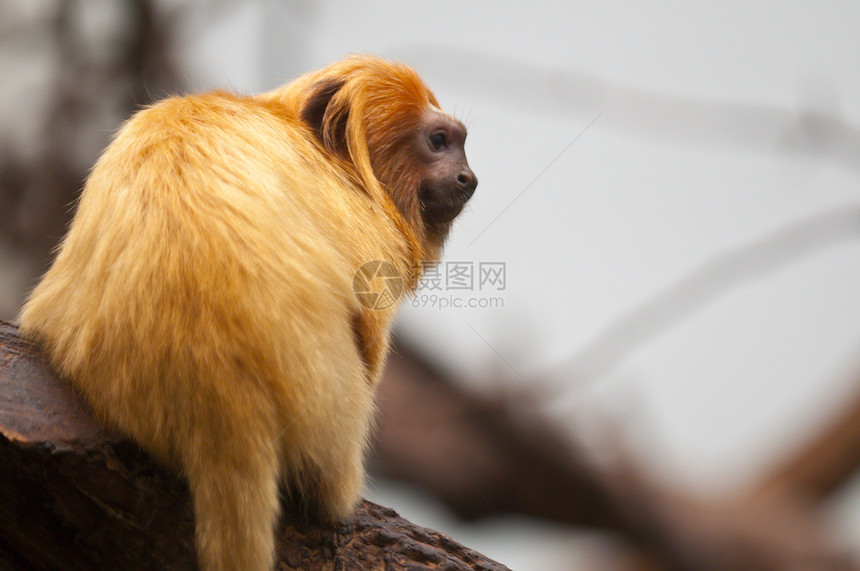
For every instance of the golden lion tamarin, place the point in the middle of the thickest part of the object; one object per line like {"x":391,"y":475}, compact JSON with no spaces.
{"x":202,"y":299}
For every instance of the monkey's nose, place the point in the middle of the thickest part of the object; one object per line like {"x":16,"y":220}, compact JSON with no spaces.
{"x":467,"y":181}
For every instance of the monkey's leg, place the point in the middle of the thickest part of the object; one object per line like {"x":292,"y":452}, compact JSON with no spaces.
{"x":341,"y":461}
{"x":234,"y":486}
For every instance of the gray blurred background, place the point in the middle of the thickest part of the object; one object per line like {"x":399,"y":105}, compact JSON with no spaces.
{"x":673,"y":190}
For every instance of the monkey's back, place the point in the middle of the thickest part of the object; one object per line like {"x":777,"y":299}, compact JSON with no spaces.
{"x":209,"y":265}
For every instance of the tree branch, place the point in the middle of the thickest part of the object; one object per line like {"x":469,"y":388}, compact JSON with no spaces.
{"x":76,"y":496}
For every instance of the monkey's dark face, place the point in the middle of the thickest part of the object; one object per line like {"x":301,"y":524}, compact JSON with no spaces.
{"x":447,"y":182}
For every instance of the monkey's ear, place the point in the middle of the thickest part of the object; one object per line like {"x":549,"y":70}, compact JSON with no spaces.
{"x":327,"y":117}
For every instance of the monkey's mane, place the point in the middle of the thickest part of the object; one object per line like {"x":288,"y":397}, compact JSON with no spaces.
{"x":365,"y":110}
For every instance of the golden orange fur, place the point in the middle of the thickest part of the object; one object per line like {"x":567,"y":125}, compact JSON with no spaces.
{"x":202,"y":300}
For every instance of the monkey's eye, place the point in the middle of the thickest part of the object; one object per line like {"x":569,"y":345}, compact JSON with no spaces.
{"x":437,"y":141}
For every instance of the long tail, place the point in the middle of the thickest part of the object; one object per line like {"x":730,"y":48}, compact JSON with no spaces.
{"x":236,"y":504}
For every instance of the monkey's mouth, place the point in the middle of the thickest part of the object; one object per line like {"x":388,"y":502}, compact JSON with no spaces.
{"x":443,"y":214}
{"x":443,"y":207}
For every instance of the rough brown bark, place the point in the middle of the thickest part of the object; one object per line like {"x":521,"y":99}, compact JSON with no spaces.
{"x":76,"y":496}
